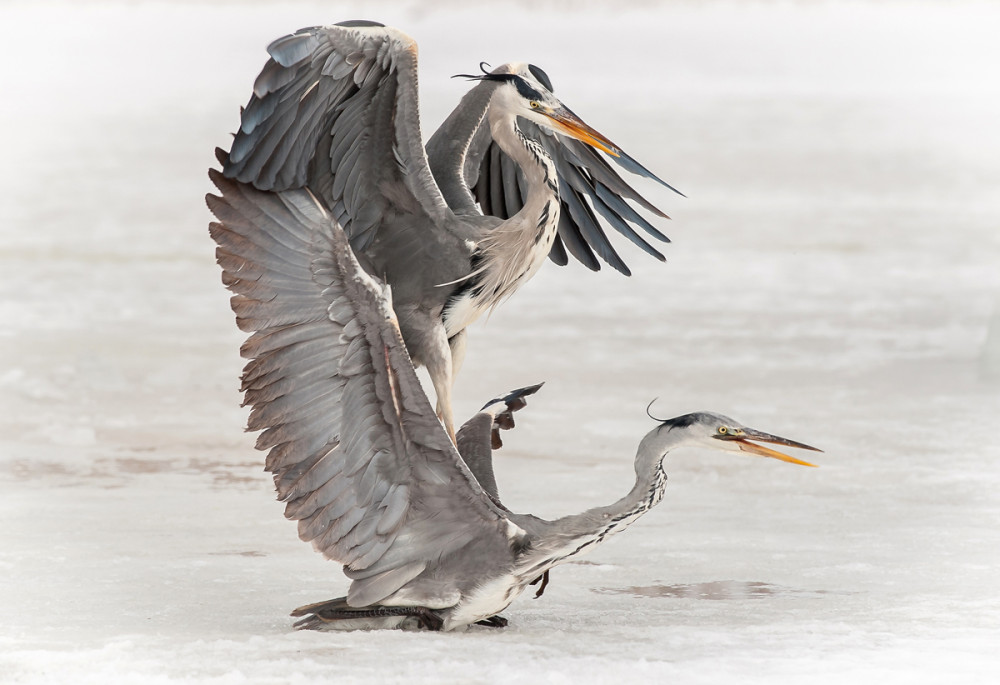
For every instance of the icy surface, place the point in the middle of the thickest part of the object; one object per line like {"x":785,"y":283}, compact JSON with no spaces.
{"x":834,"y":277}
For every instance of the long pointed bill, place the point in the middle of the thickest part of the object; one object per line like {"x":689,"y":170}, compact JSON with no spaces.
{"x":743,"y":442}
{"x":572,"y":125}
{"x":566,"y":121}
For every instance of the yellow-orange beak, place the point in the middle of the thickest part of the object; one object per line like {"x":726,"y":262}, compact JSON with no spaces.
{"x":743,"y":438}
{"x":570,"y":124}
{"x":565,"y":121}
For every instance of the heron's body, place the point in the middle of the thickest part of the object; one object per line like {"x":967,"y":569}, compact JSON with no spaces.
{"x":358,"y":454}
{"x":472,"y":261}
{"x":335,"y":111}
{"x":484,"y":586}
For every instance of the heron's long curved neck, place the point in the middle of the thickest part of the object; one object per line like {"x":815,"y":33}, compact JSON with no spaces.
{"x":512,"y":252}
{"x":536,"y":164}
{"x":572,"y":535}
{"x":509,"y":254}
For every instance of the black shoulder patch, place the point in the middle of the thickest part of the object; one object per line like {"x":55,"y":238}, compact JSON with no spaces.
{"x":542,"y":77}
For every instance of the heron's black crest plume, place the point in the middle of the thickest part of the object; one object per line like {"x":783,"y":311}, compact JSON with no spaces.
{"x":526,"y":90}
{"x":485,"y":76}
{"x":536,"y":71}
{"x":648,"y":406}
{"x":489,"y":76}
{"x":676,"y":422}
{"x":683,"y":421}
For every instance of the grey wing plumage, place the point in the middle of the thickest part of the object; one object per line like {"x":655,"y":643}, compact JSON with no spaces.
{"x":335,"y":109}
{"x":357,"y":453}
{"x":590,"y":189}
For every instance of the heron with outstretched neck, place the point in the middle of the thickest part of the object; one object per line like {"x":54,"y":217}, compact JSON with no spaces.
{"x":512,"y":176}
{"x":357,"y":452}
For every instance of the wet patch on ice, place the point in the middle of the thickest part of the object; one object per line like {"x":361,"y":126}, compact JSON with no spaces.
{"x":594,"y":564}
{"x":247,"y":474}
{"x":715,"y":590}
{"x":135,"y":465}
{"x":116,"y":472}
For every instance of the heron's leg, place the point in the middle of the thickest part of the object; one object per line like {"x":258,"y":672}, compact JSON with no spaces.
{"x":427,"y":342}
{"x":442,"y":388}
{"x":544,"y":578}
{"x":437,"y":359}
{"x":457,"y":345}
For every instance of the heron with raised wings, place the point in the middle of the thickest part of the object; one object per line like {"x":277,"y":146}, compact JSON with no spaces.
{"x":511,"y":176}
{"x":357,"y":452}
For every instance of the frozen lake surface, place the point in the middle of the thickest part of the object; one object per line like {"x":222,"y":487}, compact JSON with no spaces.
{"x":833,"y":278}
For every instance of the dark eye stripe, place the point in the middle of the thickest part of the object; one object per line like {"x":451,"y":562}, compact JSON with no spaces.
{"x":525,"y":89}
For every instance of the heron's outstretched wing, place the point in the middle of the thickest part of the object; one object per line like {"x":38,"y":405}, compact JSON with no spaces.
{"x":589,"y":188}
{"x":335,"y":109}
{"x":356,"y":450}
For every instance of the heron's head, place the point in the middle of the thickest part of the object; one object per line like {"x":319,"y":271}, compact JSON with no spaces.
{"x":525,"y":91}
{"x":721,"y":432}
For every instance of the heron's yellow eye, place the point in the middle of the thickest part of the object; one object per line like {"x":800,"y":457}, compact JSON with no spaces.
{"x":534,"y":105}
{"x":723,"y":430}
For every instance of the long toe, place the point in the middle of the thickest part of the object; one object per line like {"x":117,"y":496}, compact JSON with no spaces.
{"x":429,"y":619}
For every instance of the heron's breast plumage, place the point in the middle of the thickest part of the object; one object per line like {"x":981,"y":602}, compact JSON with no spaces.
{"x":503,"y":261}
{"x":488,"y":599}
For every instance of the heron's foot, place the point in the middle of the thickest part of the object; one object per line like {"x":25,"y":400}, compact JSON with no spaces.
{"x":319,"y":616}
{"x":497,"y":621}
{"x":544,"y":578}
{"x":504,"y":420}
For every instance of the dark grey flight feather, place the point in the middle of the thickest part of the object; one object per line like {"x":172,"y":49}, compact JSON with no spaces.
{"x":585,"y":176}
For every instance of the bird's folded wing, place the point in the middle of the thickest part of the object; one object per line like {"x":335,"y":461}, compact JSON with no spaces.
{"x":356,"y":450}
{"x":335,"y":109}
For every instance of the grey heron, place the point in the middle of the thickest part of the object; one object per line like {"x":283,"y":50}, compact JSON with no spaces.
{"x":357,"y":452}
{"x":454,"y":229}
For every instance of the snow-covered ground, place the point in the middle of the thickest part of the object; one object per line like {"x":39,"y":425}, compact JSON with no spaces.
{"x":833,"y":278}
